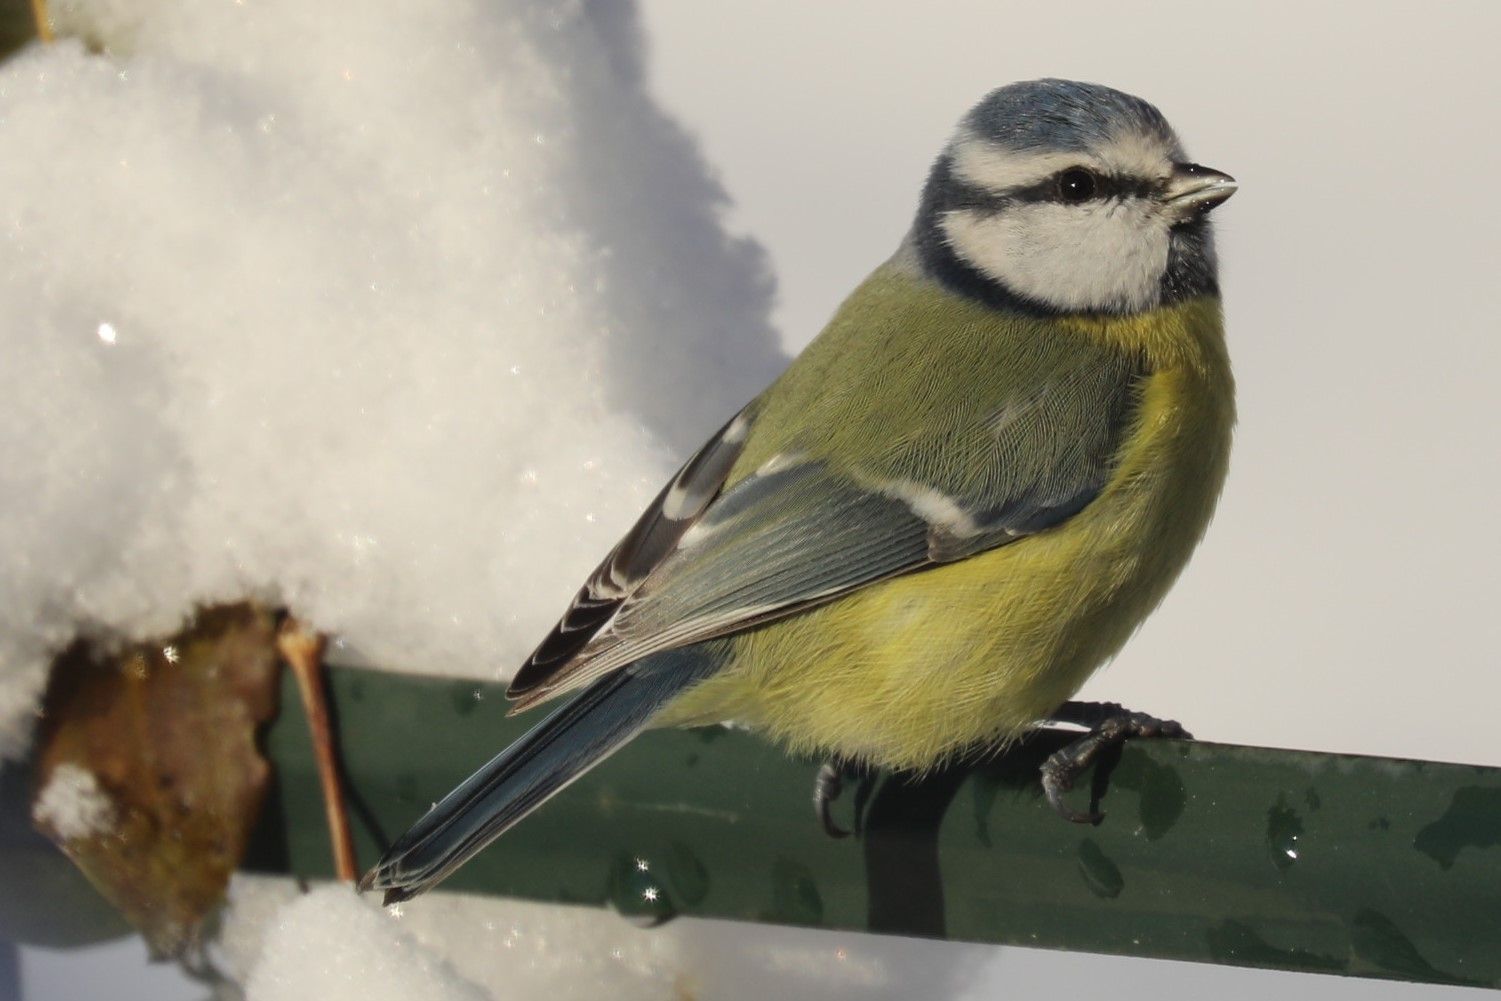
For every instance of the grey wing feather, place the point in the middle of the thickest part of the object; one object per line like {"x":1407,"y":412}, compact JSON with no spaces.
{"x":788,"y":538}
{"x":649,"y":541}
{"x":798,"y":534}
{"x":774,"y":544}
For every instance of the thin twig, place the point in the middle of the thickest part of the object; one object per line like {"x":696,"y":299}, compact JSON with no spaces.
{"x":303,"y":650}
{"x":43,"y":20}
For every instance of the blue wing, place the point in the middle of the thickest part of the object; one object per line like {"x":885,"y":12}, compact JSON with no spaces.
{"x":706,"y":561}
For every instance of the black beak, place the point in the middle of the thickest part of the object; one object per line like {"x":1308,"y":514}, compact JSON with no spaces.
{"x":1194,"y":190}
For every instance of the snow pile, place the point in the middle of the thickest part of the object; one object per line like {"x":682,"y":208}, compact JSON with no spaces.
{"x":72,"y":805}
{"x":289,"y":947}
{"x":396,"y":313}
{"x":332,"y":944}
{"x":285,"y":948}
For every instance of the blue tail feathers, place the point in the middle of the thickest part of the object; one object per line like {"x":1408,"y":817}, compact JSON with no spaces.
{"x":565,"y":745}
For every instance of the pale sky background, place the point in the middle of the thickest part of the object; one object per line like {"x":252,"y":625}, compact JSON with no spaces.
{"x":1345,"y":596}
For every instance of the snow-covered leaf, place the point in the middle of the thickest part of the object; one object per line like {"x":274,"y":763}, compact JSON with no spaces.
{"x":148,"y":774}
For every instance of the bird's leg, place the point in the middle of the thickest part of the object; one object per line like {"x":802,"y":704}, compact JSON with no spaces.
{"x":827,"y":786}
{"x":303,"y":651}
{"x":1110,"y":726}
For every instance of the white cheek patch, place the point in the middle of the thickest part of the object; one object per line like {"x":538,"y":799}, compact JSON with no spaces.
{"x":1106,"y":255}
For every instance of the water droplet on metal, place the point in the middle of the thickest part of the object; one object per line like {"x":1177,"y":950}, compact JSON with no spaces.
{"x":639,"y":894}
{"x":1284,"y":830}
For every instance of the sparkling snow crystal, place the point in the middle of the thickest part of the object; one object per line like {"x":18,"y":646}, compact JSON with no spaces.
{"x":394,"y":312}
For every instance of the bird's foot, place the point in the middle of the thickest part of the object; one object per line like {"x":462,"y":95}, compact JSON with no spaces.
{"x":1110,"y":725}
{"x":827,"y":787}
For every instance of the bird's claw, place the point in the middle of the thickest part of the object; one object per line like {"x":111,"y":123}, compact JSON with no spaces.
{"x":1110,"y":727}
{"x":1057,"y":780}
{"x":827,"y":786}
{"x":830,"y":783}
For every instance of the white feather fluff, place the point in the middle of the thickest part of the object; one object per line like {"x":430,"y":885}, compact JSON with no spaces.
{"x":1096,"y":256}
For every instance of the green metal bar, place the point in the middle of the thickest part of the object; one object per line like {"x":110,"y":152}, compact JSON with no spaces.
{"x":1289,"y":860}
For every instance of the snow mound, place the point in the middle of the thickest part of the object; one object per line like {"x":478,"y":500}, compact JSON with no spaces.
{"x":512,"y":950}
{"x":395,"y":313}
{"x":333,"y":944}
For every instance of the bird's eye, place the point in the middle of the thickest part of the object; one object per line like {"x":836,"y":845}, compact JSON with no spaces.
{"x":1077,"y":185}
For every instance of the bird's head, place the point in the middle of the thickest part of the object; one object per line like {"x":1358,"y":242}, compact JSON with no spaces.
{"x":1062,"y":197}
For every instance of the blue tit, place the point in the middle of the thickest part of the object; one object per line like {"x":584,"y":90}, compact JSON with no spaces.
{"x":954,"y":505}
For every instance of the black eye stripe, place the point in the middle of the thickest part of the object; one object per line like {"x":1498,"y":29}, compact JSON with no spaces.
{"x":961,"y":195}
{"x":1106,"y":186}
{"x":966,"y":195}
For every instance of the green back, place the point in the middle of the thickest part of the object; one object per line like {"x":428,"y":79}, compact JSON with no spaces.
{"x":910,"y":382}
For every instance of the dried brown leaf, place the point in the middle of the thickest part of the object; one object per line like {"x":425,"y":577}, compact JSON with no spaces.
{"x":148,"y":774}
